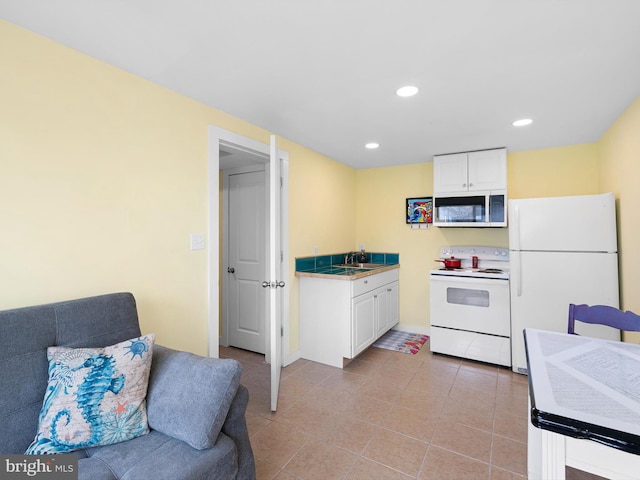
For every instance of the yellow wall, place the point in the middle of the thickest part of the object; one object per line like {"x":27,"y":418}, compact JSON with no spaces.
{"x":103,"y":177}
{"x":619,"y":153}
{"x":553,"y":172}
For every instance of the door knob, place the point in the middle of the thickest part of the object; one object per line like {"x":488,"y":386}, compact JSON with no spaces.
{"x":231,"y":269}
{"x":266,"y":284}
{"x":280,"y":284}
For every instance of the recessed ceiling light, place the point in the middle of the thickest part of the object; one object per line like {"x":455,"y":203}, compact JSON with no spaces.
{"x":408,"y":91}
{"x":523,"y":122}
{"x":372,"y":145}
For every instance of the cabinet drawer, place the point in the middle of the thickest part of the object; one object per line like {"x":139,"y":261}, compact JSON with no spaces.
{"x":366,"y":284}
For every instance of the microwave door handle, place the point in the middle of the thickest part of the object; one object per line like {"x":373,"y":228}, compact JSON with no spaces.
{"x":488,"y":204}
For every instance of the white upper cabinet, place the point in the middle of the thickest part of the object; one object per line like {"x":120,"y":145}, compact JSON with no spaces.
{"x":470,"y":172}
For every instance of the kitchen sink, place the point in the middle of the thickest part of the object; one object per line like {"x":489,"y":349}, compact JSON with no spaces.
{"x":362,"y":266}
{"x":348,"y":269}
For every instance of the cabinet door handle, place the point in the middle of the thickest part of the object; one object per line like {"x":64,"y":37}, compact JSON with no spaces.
{"x":388,"y":289}
{"x":366,"y":282}
{"x":464,"y":184}
{"x":471,"y":184}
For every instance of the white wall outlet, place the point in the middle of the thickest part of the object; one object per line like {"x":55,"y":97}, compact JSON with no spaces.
{"x":362,"y":246}
{"x":197,"y":241}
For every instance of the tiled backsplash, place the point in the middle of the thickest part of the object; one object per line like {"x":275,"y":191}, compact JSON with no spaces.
{"x":305,"y":264}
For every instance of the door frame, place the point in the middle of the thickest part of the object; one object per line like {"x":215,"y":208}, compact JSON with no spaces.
{"x":221,"y":137}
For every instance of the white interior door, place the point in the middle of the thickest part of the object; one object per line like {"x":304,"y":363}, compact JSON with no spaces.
{"x":246,"y":300}
{"x":275,"y":284}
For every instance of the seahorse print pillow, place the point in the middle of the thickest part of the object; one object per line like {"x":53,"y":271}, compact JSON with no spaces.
{"x":95,"y":396}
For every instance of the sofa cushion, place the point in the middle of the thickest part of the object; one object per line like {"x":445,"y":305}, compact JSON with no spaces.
{"x":95,"y":396}
{"x":189,"y":396}
{"x":94,"y":469}
{"x":158,"y":456}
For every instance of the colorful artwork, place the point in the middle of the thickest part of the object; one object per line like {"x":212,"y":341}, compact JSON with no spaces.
{"x":420,"y":210}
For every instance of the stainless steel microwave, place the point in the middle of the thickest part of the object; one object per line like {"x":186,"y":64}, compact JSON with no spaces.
{"x":473,"y":209}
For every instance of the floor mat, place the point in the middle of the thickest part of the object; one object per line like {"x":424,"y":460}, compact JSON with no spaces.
{"x":404,"y":342}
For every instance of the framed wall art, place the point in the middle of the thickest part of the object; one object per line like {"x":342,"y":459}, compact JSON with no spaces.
{"x":419,"y":210}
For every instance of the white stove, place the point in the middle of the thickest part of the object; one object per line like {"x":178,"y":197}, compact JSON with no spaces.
{"x":470,"y":307}
{"x":493,"y":262}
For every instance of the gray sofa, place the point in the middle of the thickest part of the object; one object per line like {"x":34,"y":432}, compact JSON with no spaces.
{"x":196,"y":405}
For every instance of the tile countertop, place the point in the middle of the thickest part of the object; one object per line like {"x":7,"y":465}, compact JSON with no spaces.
{"x":328,"y":266}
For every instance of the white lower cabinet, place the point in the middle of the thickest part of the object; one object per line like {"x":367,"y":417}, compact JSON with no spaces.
{"x":391,"y":309}
{"x":339,"y":319}
{"x":372,"y":315}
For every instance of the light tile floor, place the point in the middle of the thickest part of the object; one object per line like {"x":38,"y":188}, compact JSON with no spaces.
{"x":387,"y":415}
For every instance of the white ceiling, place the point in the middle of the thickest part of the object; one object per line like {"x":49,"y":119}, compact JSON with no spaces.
{"x":323,"y":73}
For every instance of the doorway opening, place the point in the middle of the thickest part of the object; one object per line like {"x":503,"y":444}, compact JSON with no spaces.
{"x":245,"y":248}
{"x":234,"y":156}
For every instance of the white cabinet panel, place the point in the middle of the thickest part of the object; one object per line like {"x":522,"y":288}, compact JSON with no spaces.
{"x":487,"y":170}
{"x":387,"y":308}
{"x":363,"y":331}
{"x":393,"y":305}
{"x":450,"y":173}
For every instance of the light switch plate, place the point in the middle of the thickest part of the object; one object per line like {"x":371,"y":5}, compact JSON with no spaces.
{"x":197,"y":241}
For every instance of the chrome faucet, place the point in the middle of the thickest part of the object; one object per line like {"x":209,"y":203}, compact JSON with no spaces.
{"x":348,"y":258}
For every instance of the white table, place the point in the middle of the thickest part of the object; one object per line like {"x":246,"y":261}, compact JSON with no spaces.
{"x":584,"y":399}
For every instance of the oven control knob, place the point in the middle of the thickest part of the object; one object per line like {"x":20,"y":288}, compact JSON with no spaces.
{"x":472,"y":251}
{"x":497,"y":253}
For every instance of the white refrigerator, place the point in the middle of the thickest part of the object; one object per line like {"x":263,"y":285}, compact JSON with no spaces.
{"x":562,"y":250}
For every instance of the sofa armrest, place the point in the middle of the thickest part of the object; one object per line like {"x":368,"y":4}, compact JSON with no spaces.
{"x":189,"y":396}
{"x":235,"y":427}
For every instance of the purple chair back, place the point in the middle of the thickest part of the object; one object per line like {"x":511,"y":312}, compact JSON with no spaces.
{"x":603,"y":315}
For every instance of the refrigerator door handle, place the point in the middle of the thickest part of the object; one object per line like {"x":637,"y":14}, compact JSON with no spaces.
{"x":516,"y":268}
{"x":515,"y":226}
